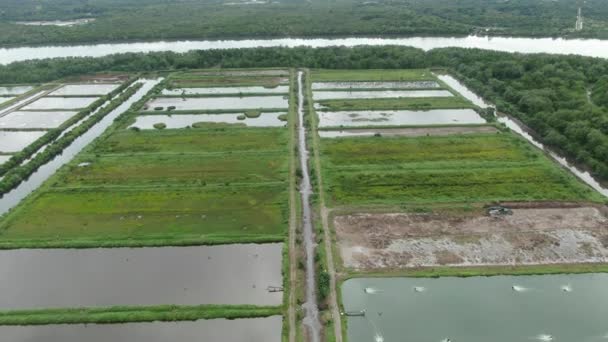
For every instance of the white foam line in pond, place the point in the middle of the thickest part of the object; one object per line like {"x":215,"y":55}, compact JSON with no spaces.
{"x":399,"y":118}
{"x":187,"y":120}
{"x":378,"y":94}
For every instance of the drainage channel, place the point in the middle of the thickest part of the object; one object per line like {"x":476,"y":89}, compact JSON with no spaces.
{"x":311,"y":318}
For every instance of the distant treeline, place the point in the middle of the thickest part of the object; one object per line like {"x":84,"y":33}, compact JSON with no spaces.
{"x":563,"y":98}
{"x":119,"y":20}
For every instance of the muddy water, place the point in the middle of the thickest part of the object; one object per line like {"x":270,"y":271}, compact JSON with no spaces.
{"x":226,"y":90}
{"x":219,"y":103}
{"x":187,"y":120}
{"x":399,"y":118}
{"x":583,"y":47}
{"x":379,"y":94}
{"x":60,"y":103}
{"x":85,"y":89}
{"x":311,"y":318}
{"x":374,"y":85}
{"x":11,"y":199}
{"x":26,"y":120}
{"x":16,"y":90}
{"x":519,"y":129}
{"x":53,"y":278}
{"x":221,"y":330}
{"x":499,"y":309}
{"x":11,"y":142}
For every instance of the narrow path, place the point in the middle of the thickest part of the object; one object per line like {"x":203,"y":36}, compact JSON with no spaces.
{"x":311,"y":318}
{"x":293,"y":276}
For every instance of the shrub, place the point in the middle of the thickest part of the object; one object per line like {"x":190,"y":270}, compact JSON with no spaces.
{"x":160,"y":125}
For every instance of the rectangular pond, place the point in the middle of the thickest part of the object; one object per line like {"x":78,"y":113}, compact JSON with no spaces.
{"x":399,"y":118}
{"x":479,"y":309}
{"x":14,"y":90}
{"x":11,"y":142}
{"x":53,"y":278}
{"x":267,"y":329}
{"x":375,"y":85}
{"x":46,"y":103}
{"x":43,"y":120}
{"x":85,"y":89}
{"x":378,"y":94}
{"x":187,"y":120}
{"x":220,"y":103}
{"x":283,"y":89}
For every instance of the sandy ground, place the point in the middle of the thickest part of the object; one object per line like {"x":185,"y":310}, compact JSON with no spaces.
{"x":533,"y":235}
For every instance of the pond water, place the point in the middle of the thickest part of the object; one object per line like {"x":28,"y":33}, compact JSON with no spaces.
{"x":480,"y":309}
{"x":12,"y":198}
{"x":46,"y":103}
{"x":85,"y":89}
{"x":54,"y":278}
{"x":464,"y":91}
{"x":399,"y":118}
{"x":266,"y":329}
{"x":4,"y":99}
{"x":375,"y":85}
{"x":186,"y":120}
{"x":584,"y":47}
{"x":381,"y":94}
{"x":11,"y":142}
{"x":35,"y":119}
{"x":20,"y":103}
{"x":14,"y":90}
{"x":227,"y":90}
{"x":220,"y":103}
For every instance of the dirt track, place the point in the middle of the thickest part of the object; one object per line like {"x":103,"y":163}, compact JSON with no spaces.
{"x":530,"y":236}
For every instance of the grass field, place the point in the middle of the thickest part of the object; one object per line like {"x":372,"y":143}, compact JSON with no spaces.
{"x":475,"y":168}
{"x":322,"y":75}
{"x":416,"y":103}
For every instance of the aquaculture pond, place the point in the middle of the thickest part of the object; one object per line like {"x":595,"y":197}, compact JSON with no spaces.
{"x":479,"y":309}
{"x":220,"y":103}
{"x":378,"y":94}
{"x":187,"y":120}
{"x":11,"y":142}
{"x":85,"y":89}
{"x":14,"y":90}
{"x":4,"y":99}
{"x":46,"y":103}
{"x":375,"y":85}
{"x":230,"y":274}
{"x":399,"y":118}
{"x":25,"y":120}
{"x":227,"y":90}
{"x":266,"y":329}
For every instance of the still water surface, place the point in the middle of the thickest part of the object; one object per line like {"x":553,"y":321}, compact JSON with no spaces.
{"x":54,"y":278}
{"x":84,"y":89}
{"x":46,"y":103}
{"x":11,"y":142}
{"x":374,"y":85}
{"x":226,"y":90}
{"x":221,"y":330}
{"x":187,"y":120}
{"x":399,"y":118}
{"x":35,"y":119}
{"x":379,"y":94}
{"x":219,"y":103}
{"x":569,"y":308}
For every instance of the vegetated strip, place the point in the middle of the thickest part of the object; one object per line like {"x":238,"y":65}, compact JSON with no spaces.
{"x":27,"y":152}
{"x":411,"y":103}
{"x":482,"y":271}
{"x":125,"y":314}
{"x":17,"y":174}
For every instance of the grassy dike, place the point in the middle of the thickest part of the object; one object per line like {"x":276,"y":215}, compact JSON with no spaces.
{"x":126,"y":314}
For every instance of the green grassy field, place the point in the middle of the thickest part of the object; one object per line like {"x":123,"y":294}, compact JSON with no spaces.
{"x":416,"y":103}
{"x":475,"y":168}
{"x":323,"y":75}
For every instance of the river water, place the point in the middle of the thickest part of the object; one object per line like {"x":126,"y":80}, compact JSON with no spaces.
{"x":583,"y":47}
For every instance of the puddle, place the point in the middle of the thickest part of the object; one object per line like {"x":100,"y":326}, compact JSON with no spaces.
{"x":227,"y":90}
{"x":267,"y":329}
{"x":374,"y":85}
{"x":220,"y":103}
{"x":46,"y":103}
{"x":380,"y":94}
{"x":35,"y":119}
{"x":186,"y":120}
{"x":399,"y":118}
{"x":11,"y":142}
{"x":16,"y":90}
{"x":228,"y":274}
{"x":85,"y":89}
{"x":493,"y":308}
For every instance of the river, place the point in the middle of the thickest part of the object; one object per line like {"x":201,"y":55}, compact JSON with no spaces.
{"x":583,"y":47}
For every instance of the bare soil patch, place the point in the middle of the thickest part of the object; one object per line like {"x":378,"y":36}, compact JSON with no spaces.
{"x":533,"y":234}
